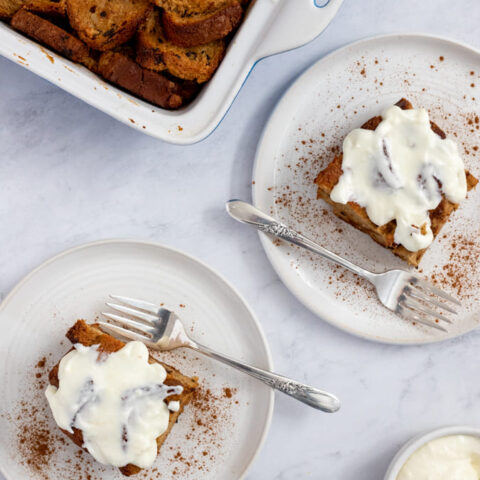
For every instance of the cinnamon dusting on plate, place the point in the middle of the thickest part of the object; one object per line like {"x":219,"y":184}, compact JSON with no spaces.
{"x":43,"y":449}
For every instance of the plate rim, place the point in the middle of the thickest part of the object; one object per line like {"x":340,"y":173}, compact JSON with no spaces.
{"x":233,"y":289}
{"x":264,"y":240}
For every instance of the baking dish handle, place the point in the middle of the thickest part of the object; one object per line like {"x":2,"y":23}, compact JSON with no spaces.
{"x":292,"y":23}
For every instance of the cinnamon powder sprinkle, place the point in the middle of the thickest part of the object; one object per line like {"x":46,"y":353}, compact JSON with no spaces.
{"x":295,"y":203}
{"x":460,"y":272}
{"x":36,"y":443}
{"x":41,"y":445}
{"x":210,"y":411}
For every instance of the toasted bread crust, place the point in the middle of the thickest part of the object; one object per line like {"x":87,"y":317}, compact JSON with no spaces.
{"x":8,"y":8}
{"x":157,"y":53}
{"x":187,"y":42}
{"x":89,"y":335}
{"x":188,"y":31}
{"x":356,"y":215}
{"x":50,"y":8}
{"x":192,"y":7}
{"x":118,"y":68}
{"x":106,"y":24}
{"x":52,"y":36}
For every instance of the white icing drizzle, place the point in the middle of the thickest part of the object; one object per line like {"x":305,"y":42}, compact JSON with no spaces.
{"x":399,"y":172}
{"x":117,"y":400}
{"x":455,"y":457}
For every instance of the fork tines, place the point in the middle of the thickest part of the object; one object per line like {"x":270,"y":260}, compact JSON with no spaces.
{"x":416,"y":301}
{"x":141,"y":327}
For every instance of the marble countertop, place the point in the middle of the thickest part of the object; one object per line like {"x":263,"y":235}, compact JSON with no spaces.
{"x":70,"y":174}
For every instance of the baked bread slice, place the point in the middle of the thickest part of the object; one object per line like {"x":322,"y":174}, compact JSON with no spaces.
{"x":49,"y":8}
{"x":117,"y":67}
{"x":106,"y":24}
{"x":193,"y":7}
{"x":356,"y":215}
{"x":157,"y":53}
{"x":52,"y":36}
{"x":89,"y":335}
{"x":196,"y":22}
{"x":8,"y":8}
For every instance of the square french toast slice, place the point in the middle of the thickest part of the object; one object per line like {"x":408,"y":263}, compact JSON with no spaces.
{"x":356,"y":215}
{"x":89,"y":335}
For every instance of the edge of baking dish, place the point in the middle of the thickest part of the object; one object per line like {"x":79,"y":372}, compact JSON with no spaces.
{"x":270,"y":27}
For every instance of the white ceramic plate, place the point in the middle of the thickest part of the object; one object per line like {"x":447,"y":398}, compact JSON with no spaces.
{"x":75,"y":284}
{"x":413,"y":445}
{"x":340,"y":93}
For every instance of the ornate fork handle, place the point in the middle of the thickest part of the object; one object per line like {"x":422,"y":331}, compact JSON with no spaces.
{"x":304,"y":393}
{"x":247,"y":213}
{"x":279,"y":230}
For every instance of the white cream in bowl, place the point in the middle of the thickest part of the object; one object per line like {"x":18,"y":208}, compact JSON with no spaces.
{"x":454,"y":457}
{"x":451,"y":453}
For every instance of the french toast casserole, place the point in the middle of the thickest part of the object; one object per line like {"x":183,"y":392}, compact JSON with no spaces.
{"x":386,"y":234}
{"x":107,"y":411}
{"x":162,"y":51}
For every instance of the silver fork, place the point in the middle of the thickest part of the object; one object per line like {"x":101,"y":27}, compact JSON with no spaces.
{"x":405,"y":293}
{"x":161,"y":329}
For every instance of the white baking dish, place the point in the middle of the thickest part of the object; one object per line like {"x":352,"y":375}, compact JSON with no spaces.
{"x":271,"y":26}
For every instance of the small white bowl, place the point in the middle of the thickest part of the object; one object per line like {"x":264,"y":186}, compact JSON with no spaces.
{"x":413,"y":445}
